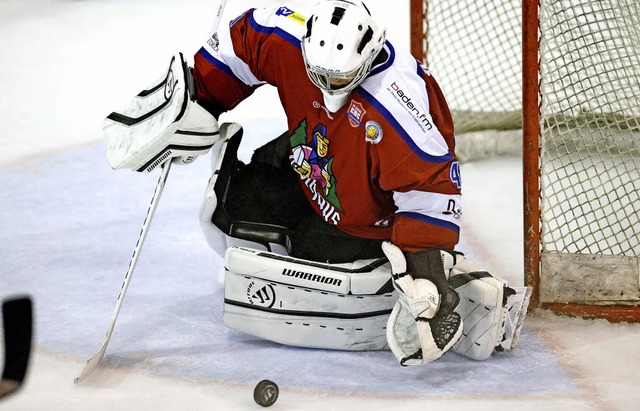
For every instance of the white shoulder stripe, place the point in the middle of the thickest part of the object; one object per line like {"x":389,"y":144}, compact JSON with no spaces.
{"x":226,"y":55}
{"x":404,"y":95}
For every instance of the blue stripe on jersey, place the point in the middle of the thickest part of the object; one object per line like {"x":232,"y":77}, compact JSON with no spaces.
{"x":273,"y":30}
{"x":432,"y":221}
{"x":401,"y":131}
{"x":388,"y":63}
{"x":220,"y":65}
{"x":288,"y":37}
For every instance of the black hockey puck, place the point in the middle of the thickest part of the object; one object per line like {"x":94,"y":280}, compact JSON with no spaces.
{"x":266,"y":393}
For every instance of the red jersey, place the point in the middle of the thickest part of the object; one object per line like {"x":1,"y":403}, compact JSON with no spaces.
{"x":383,"y":166}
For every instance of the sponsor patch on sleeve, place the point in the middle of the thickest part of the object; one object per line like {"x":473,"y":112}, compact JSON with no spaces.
{"x":290,"y":14}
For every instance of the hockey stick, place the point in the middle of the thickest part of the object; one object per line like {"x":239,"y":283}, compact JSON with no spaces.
{"x":17,"y":317}
{"x":92,"y":363}
{"x":218,"y":16}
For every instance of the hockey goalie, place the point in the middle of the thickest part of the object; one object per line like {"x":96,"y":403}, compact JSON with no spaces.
{"x":340,"y":233}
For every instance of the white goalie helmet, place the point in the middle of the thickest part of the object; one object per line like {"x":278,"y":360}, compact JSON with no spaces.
{"x":339,"y":47}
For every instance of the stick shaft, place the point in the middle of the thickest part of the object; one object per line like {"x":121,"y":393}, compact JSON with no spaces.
{"x":218,"y":16}
{"x":92,"y":363}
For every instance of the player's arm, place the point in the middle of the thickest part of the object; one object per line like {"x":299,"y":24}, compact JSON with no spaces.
{"x":418,"y":165}
{"x":229,"y":66}
{"x":419,"y":169}
{"x":176,"y":116}
{"x":426,"y":230}
{"x":424,"y":325}
{"x":426,"y":191}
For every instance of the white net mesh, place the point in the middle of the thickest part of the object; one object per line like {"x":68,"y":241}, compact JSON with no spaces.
{"x":474,"y":51}
{"x":590,"y":120}
{"x":590,"y":93}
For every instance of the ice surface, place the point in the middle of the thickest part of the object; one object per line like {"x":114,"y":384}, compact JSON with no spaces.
{"x":68,"y":226}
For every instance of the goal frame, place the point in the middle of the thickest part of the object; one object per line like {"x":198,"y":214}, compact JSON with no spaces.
{"x":531,"y":101}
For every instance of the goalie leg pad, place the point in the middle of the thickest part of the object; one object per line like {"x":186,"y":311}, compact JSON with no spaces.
{"x":295,"y":302}
{"x":492,"y":312}
{"x":481,"y":309}
{"x":305,"y":317}
{"x":360,"y":278}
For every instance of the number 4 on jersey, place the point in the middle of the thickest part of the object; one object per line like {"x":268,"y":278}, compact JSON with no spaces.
{"x":454,"y":174}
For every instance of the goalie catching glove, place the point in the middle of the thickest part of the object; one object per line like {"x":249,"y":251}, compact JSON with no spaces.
{"x":423,"y":325}
{"x":162,"y":122}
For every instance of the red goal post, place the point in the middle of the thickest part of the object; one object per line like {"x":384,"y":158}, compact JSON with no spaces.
{"x":567,"y":73}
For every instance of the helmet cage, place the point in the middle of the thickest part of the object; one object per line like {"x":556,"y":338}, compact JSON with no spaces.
{"x":333,"y":81}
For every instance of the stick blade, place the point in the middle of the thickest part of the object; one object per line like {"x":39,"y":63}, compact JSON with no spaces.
{"x":17,"y":316}
{"x":91,"y":365}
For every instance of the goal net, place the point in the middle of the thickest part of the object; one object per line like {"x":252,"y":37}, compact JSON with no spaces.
{"x":581,"y":126}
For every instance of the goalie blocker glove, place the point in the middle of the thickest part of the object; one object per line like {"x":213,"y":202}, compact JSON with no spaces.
{"x":162,"y":122}
{"x":423,"y":324}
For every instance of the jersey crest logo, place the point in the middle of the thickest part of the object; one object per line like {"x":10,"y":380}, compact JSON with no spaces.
{"x":356,"y":113}
{"x":310,"y":159}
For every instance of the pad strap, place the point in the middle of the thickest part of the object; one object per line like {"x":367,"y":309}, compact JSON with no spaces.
{"x":362,"y":277}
